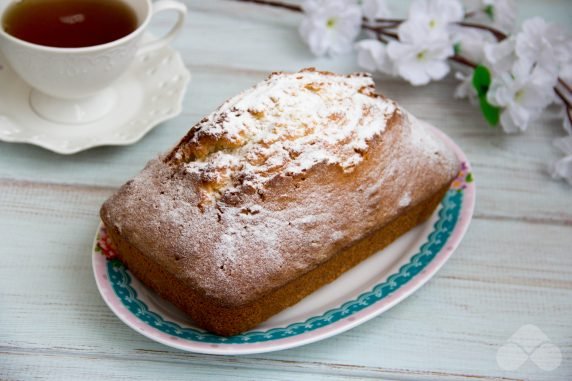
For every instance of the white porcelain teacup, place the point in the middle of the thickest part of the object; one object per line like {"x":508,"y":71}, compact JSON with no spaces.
{"x":72,"y":85}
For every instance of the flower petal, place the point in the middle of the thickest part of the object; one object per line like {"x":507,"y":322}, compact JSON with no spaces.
{"x":519,"y":115}
{"x":564,"y":144}
{"x":501,"y":90}
{"x":375,"y":9}
{"x":507,"y":123}
{"x":437,"y":69}
{"x":471,"y":42}
{"x":370,"y":54}
{"x":397,"y":50}
{"x":562,"y":169}
{"x":441,"y":11}
{"x":500,"y":56}
{"x":330,"y":26}
{"x":414,"y":72}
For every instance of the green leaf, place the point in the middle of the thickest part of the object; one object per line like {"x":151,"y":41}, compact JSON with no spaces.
{"x":481,"y":80}
{"x":490,"y":11}
{"x":469,"y":178}
{"x":481,"y":83}
{"x":490,"y":112}
{"x":457,"y":48}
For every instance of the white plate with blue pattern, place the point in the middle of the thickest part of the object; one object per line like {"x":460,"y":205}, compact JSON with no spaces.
{"x":362,"y":293}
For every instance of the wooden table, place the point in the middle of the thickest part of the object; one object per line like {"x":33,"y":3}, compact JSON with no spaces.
{"x":513,"y":268}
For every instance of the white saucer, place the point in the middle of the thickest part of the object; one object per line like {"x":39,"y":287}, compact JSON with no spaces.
{"x":150,"y":92}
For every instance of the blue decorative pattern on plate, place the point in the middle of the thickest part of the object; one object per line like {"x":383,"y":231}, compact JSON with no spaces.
{"x":448,"y":215}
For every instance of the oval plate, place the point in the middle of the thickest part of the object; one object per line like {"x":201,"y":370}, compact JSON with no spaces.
{"x":360,"y":294}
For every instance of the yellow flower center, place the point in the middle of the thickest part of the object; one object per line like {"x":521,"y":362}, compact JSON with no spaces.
{"x":331,"y":22}
{"x":421,"y":55}
{"x":519,"y":95}
{"x":432,"y":23}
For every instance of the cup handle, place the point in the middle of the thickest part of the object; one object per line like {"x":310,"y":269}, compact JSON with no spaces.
{"x":160,"y":6}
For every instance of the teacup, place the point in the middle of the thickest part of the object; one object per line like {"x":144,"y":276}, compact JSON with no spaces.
{"x":72,"y":85}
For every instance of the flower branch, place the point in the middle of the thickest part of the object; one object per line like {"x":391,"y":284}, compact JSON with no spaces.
{"x":500,"y":36}
{"x":393,"y":22}
{"x":566,"y":102}
{"x":275,"y":4}
{"x":463,"y":61}
{"x":563,"y":97}
{"x":382,"y":30}
{"x":565,"y":85}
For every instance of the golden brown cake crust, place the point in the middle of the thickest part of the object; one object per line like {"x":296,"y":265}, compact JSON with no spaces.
{"x":232,"y":221}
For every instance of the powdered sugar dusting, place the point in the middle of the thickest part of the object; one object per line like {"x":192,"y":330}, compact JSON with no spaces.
{"x":405,"y":200}
{"x":427,"y":143}
{"x":287,"y":124}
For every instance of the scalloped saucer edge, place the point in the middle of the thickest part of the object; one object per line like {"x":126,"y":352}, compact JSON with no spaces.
{"x":150,"y":92}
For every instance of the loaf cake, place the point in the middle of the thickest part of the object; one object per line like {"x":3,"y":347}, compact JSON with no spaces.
{"x":279,"y":191}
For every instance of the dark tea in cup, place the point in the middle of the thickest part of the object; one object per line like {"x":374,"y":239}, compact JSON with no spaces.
{"x":71,"y":52}
{"x":69,"y":23}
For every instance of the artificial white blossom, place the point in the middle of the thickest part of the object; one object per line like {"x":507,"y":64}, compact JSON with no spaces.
{"x":330,"y":26}
{"x":465,"y":88}
{"x":436,"y":14}
{"x":372,"y":56}
{"x":421,"y":53}
{"x":500,"y":57}
{"x":548,"y":45}
{"x":522,"y":93}
{"x":470,"y":42}
{"x":500,"y":14}
{"x":375,"y":9}
{"x":562,"y":168}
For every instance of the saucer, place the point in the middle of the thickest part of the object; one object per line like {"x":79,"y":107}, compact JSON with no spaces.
{"x":150,"y":92}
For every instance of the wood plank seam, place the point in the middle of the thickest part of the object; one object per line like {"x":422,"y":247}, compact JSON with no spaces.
{"x":322,"y":368}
